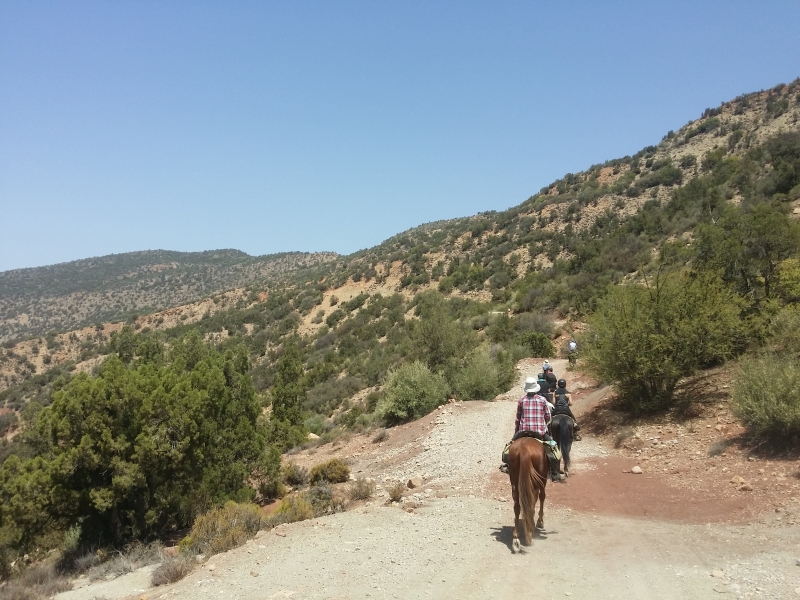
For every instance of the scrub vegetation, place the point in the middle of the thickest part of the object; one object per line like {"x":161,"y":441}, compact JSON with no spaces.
{"x":679,"y":257}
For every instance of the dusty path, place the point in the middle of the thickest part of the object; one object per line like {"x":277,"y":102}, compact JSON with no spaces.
{"x":455,"y":541}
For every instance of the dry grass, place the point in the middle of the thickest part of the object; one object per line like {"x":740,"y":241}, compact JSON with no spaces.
{"x":172,"y":570}
{"x":36,"y":582}
{"x":295,"y":507}
{"x":362,"y":489}
{"x":719,"y":447}
{"x":223,"y":528}
{"x":396,"y":491}
{"x":622,"y":435}
{"x":380,"y":436}
{"x":132,"y":557}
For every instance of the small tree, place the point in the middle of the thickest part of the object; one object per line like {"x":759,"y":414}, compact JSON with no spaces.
{"x":412,"y":391}
{"x":644,"y":339}
{"x":288,"y":392}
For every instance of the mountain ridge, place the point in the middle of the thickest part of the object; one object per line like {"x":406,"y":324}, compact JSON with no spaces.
{"x":555,"y":253}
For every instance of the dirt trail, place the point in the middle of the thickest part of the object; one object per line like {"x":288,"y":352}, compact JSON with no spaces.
{"x":453,"y":538}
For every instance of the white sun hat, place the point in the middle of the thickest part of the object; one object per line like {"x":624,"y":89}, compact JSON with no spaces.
{"x":531,"y":385}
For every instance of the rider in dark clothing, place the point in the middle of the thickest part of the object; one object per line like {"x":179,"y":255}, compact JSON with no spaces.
{"x":562,"y":402}
{"x":551,"y":378}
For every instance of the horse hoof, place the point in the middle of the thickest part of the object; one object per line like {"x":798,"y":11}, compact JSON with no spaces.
{"x":515,"y":547}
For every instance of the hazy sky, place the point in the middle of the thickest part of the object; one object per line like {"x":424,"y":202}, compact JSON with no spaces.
{"x":333,"y":125}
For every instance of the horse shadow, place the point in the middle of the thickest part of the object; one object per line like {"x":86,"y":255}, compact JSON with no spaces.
{"x":505,"y":535}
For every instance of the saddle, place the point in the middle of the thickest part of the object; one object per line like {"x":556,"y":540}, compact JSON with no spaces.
{"x":552,"y":451}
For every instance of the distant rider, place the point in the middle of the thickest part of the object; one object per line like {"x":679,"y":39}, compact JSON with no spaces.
{"x":562,"y":403}
{"x":573,"y":351}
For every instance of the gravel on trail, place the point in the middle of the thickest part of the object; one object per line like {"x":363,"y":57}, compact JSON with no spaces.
{"x":452,"y":539}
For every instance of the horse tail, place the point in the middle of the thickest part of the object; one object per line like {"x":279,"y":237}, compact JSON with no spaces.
{"x":529,"y":484}
{"x":565,"y":439}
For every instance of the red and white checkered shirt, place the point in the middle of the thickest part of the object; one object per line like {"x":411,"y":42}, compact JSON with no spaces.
{"x":533,"y":413}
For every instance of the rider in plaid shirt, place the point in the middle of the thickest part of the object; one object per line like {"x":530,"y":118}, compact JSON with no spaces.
{"x":533,"y":414}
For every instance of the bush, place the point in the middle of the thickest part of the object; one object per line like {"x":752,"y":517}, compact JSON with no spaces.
{"x":396,"y":491}
{"x":535,"y":322}
{"x":295,"y":507}
{"x":132,"y":557}
{"x":362,"y":489}
{"x":323,"y":500}
{"x":5,"y":562}
{"x":36,"y":582}
{"x":482,"y":377}
{"x":537,"y":343}
{"x":172,"y":570}
{"x":295,"y":475}
{"x":223,"y":528}
{"x":771,"y":409}
{"x":644,"y":339}
{"x":333,"y":471}
{"x":411,"y":392}
{"x":8,"y":422}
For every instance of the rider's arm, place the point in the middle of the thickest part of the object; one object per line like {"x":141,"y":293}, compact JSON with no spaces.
{"x":569,"y":399}
{"x":519,"y":416}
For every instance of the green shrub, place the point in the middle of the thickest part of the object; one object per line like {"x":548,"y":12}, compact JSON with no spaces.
{"x":482,"y":377}
{"x":644,"y":339}
{"x":772,"y":408}
{"x":323,"y":500}
{"x":411,"y":392}
{"x":5,"y":562}
{"x":295,"y":507}
{"x":537,"y":343}
{"x":294,"y":474}
{"x":333,"y":471}
{"x":223,"y":528}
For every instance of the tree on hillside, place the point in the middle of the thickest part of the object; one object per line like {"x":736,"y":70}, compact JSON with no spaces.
{"x":137,"y":450}
{"x":747,"y":246}
{"x":286,"y":427}
{"x":288,"y":392}
{"x":441,"y":341}
{"x":645,"y":339}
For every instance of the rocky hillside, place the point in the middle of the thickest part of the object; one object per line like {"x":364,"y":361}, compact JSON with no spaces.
{"x":70,"y":295}
{"x":502,"y":273}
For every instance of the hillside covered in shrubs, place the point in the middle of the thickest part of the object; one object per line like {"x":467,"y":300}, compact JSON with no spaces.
{"x":679,"y":257}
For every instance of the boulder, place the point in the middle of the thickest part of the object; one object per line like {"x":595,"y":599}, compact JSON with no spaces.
{"x":746,"y":488}
{"x":637,"y":470}
{"x":313,"y":436}
{"x":415,"y":482}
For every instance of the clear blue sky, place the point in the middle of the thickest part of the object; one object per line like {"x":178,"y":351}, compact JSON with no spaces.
{"x":333,"y":125}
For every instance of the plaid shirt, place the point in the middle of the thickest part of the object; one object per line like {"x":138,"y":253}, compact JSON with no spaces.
{"x":533,"y":413}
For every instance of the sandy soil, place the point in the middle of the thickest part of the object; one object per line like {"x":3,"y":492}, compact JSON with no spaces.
{"x":608,"y":534}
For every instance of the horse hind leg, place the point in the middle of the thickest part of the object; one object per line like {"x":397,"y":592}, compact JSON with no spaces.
{"x":515,"y":545}
{"x":540,"y":522}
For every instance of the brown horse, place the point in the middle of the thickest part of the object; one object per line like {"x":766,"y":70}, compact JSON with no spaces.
{"x":528,"y":470}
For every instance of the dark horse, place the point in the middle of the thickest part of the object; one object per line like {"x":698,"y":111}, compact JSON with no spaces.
{"x":527,"y":469}
{"x":561,"y":431}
